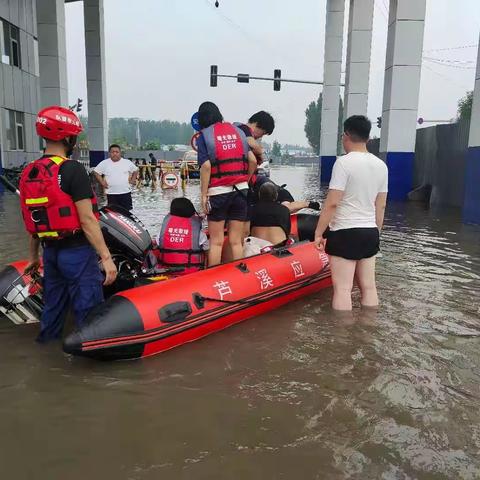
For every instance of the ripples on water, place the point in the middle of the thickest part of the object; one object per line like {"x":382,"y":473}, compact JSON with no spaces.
{"x":296,"y":393}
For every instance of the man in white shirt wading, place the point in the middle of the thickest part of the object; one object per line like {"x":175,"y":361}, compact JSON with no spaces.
{"x":117,"y":175}
{"x":354,"y":211}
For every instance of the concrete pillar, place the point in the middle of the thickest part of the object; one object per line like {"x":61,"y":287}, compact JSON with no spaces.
{"x":96,"y":80}
{"x":52,"y":52}
{"x":331,"y":87}
{"x":471,"y":205}
{"x":400,"y":93}
{"x":360,"y":24}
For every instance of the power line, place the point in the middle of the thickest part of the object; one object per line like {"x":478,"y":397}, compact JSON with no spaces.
{"x":449,"y":60}
{"x":460,"y":67}
{"x":451,"y":48}
{"x":255,"y":39}
{"x":453,"y":82}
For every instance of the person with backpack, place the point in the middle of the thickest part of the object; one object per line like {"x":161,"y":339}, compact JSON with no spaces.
{"x":60,"y":213}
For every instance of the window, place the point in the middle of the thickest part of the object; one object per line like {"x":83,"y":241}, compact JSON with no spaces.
{"x":10,"y":44}
{"x":36,"y":58}
{"x":15,"y":129}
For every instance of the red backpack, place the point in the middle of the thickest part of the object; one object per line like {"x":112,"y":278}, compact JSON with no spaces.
{"x":48,"y":212}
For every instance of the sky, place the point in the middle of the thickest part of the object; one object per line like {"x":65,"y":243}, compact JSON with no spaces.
{"x":159,"y":52}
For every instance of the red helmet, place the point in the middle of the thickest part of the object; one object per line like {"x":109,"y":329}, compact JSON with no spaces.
{"x":56,"y":123}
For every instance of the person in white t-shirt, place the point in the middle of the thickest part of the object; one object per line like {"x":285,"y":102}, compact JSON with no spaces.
{"x":354,"y":211}
{"x":117,"y":175}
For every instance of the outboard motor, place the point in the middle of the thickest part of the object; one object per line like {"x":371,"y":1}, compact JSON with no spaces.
{"x":20,"y":295}
{"x":124,"y":233}
{"x":129,"y":243}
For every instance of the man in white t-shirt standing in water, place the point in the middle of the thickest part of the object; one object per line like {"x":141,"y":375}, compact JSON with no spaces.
{"x":117,"y":175}
{"x":354,"y":211}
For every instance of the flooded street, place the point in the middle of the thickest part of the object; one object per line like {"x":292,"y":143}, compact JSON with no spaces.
{"x":297,"y":393}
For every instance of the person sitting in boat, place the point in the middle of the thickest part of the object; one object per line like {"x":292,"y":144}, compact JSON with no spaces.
{"x":270,"y":223}
{"x":181,"y":241}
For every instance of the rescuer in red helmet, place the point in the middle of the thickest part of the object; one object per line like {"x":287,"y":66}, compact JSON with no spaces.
{"x":60,"y":212}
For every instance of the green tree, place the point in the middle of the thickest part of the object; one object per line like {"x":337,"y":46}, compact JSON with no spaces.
{"x":164,"y":132}
{"x":464,"y":111}
{"x":122,"y":141}
{"x":276,"y":149}
{"x":152,"y":145}
{"x":313,"y":122}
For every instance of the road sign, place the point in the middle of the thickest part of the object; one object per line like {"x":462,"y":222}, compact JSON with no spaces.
{"x":194,"y":122}
{"x":169,"y":180}
{"x":193,"y":141}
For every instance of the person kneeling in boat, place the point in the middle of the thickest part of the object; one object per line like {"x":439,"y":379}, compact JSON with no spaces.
{"x":270,"y":223}
{"x":181,"y":242}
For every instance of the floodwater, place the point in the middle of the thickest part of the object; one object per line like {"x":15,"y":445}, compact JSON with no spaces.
{"x":297,"y":393}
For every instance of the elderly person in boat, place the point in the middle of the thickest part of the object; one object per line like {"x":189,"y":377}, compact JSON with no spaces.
{"x":270,"y":221}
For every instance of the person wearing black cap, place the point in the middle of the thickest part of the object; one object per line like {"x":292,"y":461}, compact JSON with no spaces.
{"x":181,"y":241}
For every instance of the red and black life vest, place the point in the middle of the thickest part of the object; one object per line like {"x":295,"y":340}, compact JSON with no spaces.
{"x":179,"y":243}
{"x":227,"y":149}
{"x":48,"y":212}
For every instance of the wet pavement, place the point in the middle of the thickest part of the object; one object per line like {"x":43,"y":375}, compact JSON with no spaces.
{"x":296,"y":393}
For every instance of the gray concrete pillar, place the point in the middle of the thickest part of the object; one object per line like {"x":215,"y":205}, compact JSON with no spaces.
{"x":360,"y":24}
{"x":471,"y":205}
{"x":400,"y":94}
{"x":52,"y":52}
{"x":332,"y":67}
{"x":96,"y":80}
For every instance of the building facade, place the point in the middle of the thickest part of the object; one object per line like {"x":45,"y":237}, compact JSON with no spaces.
{"x":19,"y":82}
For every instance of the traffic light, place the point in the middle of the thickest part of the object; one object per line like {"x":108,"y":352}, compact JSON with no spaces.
{"x":277,"y":74}
{"x":79,"y":104}
{"x":379,"y":122}
{"x":213,"y":75}
{"x":243,"y":78}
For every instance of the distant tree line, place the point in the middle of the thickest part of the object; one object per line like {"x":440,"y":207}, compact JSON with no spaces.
{"x":153,"y":133}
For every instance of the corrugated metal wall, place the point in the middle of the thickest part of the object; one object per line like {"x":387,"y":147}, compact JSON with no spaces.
{"x":440,"y":156}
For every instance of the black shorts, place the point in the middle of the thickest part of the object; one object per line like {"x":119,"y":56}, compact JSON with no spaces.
{"x":229,"y":206}
{"x":123,"y":200}
{"x":353,"y":243}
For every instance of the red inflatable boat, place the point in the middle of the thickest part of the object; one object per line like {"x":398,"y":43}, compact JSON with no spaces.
{"x":151,"y":319}
{"x":145,"y":315}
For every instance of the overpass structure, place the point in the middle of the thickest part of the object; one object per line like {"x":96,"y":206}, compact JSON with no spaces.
{"x":33,"y":73}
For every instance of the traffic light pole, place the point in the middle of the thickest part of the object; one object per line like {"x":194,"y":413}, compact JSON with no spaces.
{"x":248,"y":77}
{"x":245,"y":78}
